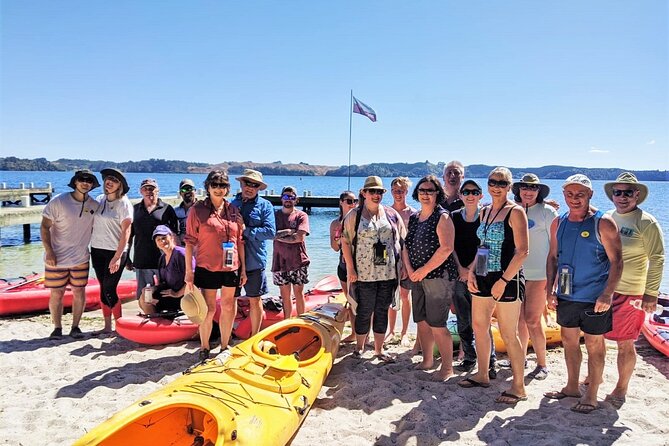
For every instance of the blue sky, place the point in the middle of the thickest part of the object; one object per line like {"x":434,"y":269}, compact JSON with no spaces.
{"x":516,"y":83}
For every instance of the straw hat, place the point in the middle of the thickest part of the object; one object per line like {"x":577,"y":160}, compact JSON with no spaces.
{"x":374,"y":182}
{"x":194,"y":306}
{"x":254,"y":176}
{"x":530,"y":178}
{"x":627,"y":178}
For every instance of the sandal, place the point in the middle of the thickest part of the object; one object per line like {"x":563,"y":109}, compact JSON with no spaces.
{"x":559,"y":395}
{"x":509,"y":398}
{"x":203,"y":355}
{"x":615,"y":401}
{"x":539,"y":373}
{"x":469,"y":383}
{"x":583,"y":408}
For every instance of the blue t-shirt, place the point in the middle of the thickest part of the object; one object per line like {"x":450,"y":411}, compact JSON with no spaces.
{"x":258,"y":215}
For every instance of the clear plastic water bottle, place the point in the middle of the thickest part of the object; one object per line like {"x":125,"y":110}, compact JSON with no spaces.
{"x":659,"y":309}
{"x":223,"y":357}
{"x":148,"y":294}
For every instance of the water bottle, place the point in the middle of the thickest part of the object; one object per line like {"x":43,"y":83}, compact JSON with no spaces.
{"x":223,"y":357}
{"x":659,"y":309}
{"x":148,"y":294}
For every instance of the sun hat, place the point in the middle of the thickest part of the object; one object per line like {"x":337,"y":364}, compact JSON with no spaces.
{"x":579,"y":179}
{"x":254,"y":176}
{"x":81,"y":174}
{"x":530,"y":178}
{"x":194,"y":306}
{"x":161,"y":230}
{"x":149,"y":182}
{"x":374,"y":182}
{"x":470,"y":182}
{"x":627,"y":178}
{"x":186,"y":182}
{"x":111,"y":172}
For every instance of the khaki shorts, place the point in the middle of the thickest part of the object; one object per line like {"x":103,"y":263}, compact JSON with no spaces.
{"x":76,"y":276}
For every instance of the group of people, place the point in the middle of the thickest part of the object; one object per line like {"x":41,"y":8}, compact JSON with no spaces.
{"x":513,"y":257}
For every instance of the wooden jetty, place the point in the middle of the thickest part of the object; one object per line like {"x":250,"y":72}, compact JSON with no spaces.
{"x":25,"y":196}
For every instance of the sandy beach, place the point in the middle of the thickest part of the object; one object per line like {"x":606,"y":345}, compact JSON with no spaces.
{"x":55,"y":390}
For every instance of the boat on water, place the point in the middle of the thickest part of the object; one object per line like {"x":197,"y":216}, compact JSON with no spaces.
{"x":30,"y":295}
{"x":256,"y":393}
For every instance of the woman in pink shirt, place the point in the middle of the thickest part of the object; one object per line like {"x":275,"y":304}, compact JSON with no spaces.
{"x":214,"y":235}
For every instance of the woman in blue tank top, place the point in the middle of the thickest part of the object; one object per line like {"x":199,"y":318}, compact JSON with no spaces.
{"x":496,"y":281}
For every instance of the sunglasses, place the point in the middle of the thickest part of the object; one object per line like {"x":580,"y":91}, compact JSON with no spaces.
{"x":628,"y":193}
{"x":161,"y":238}
{"x":219,"y":185}
{"x":112,"y":179}
{"x":497,"y":183}
{"x":185,"y":190}
{"x":529,"y":187}
{"x":474,"y":192}
{"x":422,"y":191}
{"x":251,"y":184}
{"x":350,"y":200}
{"x":398,"y":191}
{"x":88,"y":180}
{"x":148,"y":188}
{"x":288,"y":197}
{"x":375,"y":191}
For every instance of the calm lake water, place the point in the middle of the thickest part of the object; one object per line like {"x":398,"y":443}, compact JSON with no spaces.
{"x":17,"y":258}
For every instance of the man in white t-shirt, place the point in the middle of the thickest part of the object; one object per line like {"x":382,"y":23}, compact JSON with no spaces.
{"x":67,"y":222}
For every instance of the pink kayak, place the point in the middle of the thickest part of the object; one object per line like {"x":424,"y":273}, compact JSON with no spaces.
{"x":31,"y":296}
{"x":326,"y":290}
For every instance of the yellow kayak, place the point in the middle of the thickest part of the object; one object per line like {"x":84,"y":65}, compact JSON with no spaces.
{"x":553,"y":336}
{"x":256,"y":393}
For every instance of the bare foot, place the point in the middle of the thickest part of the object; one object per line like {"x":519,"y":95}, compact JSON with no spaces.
{"x":443,"y":375}
{"x":425,"y":365}
{"x":348,"y":339}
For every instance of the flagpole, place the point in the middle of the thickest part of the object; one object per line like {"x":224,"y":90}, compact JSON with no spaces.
{"x":350,"y":126}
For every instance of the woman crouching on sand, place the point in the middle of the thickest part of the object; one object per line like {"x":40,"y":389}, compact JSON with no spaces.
{"x":428,"y":244}
{"x":347,"y":201}
{"x":496,"y":280}
{"x":214,"y":235}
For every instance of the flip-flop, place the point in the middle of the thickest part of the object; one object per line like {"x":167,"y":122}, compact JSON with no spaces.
{"x":385,"y":358}
{"x":615,"y":401}
{"x":511,"y":398}
{"x":559,"y":395}
{"x":583,"y":408}
{"x":539,"y":373}
{"x":469,"y":383}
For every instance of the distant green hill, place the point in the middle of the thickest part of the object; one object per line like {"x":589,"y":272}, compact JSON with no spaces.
{"x":303,"y":169}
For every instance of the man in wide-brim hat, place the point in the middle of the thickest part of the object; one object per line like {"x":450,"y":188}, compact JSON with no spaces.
{"x":643,"y":263}
{"x":252,"y":178}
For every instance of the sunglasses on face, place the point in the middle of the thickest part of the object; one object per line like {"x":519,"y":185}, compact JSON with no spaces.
{"x":474,"y":192}
{"x":350,"y":200}
{"x":375,"y":191}
{"x":529,"y":187}
{"x":288,"y":197}
{"x":113,"y":180}
{"x":422,"y":191}
{"x":185,"y":190}
{"x":161,"y":238}
{"x":497,"y":183}
{"x":251,"y":184}
{"x":87,"y":180}
{"x":219,"y":185}
{"x":398,"y":191}
{"x":628,"y":193}
{"x":149,"y":188}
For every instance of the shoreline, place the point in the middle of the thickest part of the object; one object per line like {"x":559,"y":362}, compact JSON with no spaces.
{"x":55,"y":390}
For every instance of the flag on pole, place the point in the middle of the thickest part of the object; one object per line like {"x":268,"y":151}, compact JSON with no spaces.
{"x":363,"y":109}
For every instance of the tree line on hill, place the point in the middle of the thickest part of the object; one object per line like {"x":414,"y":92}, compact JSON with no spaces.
{"x":303,"y":169}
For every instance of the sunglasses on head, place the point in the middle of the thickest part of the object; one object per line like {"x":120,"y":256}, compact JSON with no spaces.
{"x":149,"y":188}
{"x":350,"y":200}
{"x":529,"y":187}
{"x":375,"y":191}
{"x":422,"y":191}
{"x":497,"y":183}
{"x":288,"y":197}
{"x":219,"y":185}
{"x":474,"y":192}
{"x":185,"y":190}
{"x":628,"y":193}
{"x":89,"y":180}
{"x":251,"y":184}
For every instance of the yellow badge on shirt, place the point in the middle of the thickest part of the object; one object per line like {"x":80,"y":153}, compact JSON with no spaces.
{"x":585,"y":234}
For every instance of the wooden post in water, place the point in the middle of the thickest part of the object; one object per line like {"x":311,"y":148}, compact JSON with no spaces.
{"x":26,"y":233}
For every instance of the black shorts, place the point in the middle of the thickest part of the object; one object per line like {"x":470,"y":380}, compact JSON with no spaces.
{"x":581,"y":315}
{"x":213,"y":280}
{"x":514,"y":290}
{"x":341,"y":272}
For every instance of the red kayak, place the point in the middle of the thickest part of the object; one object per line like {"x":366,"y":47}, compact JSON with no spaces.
{"x":656,"y":329}
{"x":30,"y":296}
{"x":326,"y":290}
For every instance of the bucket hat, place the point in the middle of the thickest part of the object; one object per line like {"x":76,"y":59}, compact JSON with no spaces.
{"x":84,"y":173}
{"x":374,"y":182}
{"x":111,"y":172}
{"x":254,"y":176}
{"x":194,"y":306}
{"x":530,"y":178}
{"x":627,"y":178}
